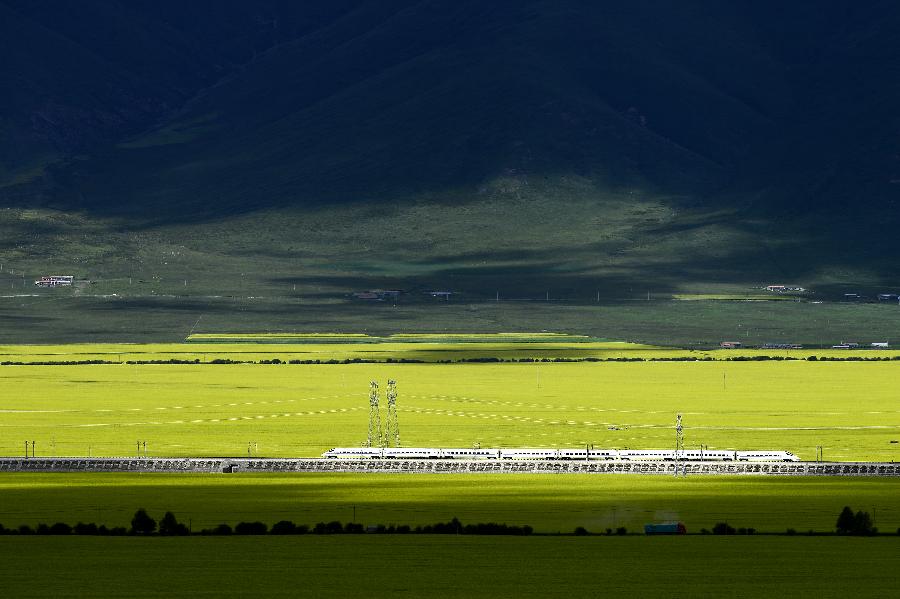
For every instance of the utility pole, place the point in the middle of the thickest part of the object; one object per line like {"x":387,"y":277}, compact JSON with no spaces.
{"x":679,"y":444}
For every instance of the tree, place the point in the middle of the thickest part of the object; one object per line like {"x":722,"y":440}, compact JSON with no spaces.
{"x":845,"y":521}
{"x":170,"y":526}
{"x":581,"y":531}
{"x":142,"y":524}
{"x":862,"y":524}
{"x":859,"y":523}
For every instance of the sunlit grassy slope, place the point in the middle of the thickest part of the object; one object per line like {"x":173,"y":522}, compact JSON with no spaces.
{"x":849,"y":408}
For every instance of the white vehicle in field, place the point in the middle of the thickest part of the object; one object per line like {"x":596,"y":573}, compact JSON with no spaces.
{"x":650,"y":455}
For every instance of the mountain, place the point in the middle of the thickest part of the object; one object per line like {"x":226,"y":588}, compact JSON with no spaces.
{"x":240,"y":106}
{"x":595,"y":149}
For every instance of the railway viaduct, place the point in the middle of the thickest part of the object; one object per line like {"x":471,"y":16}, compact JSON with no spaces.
{"x":300,"y":465}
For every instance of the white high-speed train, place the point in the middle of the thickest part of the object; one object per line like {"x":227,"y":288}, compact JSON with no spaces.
{"x":656,"y":455}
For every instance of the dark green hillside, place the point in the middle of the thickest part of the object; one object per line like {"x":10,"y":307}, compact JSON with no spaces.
{"x":183,"y":155}
{"x":177,"y":111}
{"x":440,"y":96}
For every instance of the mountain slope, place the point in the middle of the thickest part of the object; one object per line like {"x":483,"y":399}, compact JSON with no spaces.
{"x":560,"y":144}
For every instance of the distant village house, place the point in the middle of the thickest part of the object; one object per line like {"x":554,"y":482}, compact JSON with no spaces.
{"x":55,"y":281}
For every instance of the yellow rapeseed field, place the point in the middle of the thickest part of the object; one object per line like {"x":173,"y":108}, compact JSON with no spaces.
{"x":848,"y":408}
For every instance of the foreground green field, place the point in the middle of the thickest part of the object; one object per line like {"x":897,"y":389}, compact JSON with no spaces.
{"x":847,"y":408}
{"x":450,"y":567}
{"x":549,"y":503}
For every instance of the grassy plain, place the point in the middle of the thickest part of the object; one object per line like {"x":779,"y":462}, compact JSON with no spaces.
{"x":549,"y":503}
{"x":449,"y":567}
{"x":848,"y":408}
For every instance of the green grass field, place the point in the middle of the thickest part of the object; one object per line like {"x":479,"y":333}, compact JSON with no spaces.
{"x":449,"y":567}
{"x":549,"y":503}
{"x":847,"y":408}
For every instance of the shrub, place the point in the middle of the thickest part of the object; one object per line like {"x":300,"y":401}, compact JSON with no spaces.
{"x":60,"y":528}
{"x":250,"y":528}
{"x":85,"y":529}
{"x":581,"y":531}
{"x":723,"y":528}
{"x":790,"y":532}
{"x":142,"y":524}
{"x":221,"y":530}
{"x":621,"y":531}
{"x":283,"y":527}
{"x":355,"y":528}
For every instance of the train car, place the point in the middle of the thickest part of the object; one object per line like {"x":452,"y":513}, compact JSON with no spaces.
{"x":587,"y":454}
{"x":472,"y":454}
{"x":529,"y":454}
{"x":353,"y":453}
{"x":533,"y":453}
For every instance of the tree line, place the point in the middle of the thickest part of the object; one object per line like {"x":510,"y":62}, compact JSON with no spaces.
{"x":849,"y":523}
{"x":479,"y":360}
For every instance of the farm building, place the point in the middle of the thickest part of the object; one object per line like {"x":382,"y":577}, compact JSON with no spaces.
{"x":55,"y":281}
{"x":731,"y":345}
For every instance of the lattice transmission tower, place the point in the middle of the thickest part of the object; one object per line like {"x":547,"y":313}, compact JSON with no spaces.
{"x":392,"y":430}
{"x":679,"y":435}
{"x":374,"y":437}
{"x":679,"y":444}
